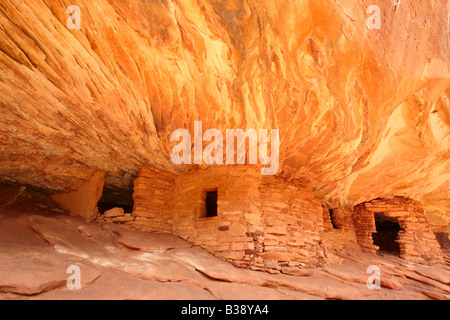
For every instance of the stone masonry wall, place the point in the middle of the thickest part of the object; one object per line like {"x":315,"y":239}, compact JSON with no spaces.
{"x":340,"y":233}
{"x":229,"y":235}
{"x":263,"y":222}
{"x":292,"y":222}
{"x":364,"y":221}
{"x":153,"y":201}
{"x":416,"y":240}
{"x":269,"y":223}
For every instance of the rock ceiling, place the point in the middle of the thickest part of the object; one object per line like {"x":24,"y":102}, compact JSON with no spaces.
{"x":362,"y":113}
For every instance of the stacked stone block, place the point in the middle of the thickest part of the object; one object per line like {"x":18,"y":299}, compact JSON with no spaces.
{"x":292,"y":221}
{"x":269,"y":223}
{"x":339,"y":234}
{"x":153,"y":200}
{"x":229,"y":235}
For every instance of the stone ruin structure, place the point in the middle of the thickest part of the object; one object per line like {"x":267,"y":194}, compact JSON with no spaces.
{"x":362,"y":113}
{"x":272,"y":224}
{"x":415,"y":240}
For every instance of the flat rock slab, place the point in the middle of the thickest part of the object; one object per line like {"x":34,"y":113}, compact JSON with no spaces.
{"x":121,"y":263}
{"x":28,"y":272}
{"x":148,"y":242}
{"x":113,"y":285}
{"x":439,"y":274}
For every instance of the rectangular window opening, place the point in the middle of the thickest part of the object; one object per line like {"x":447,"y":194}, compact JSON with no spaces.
{"x":211,"y":203}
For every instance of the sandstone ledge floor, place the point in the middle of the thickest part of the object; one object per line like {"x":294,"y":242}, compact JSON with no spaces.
{"x":119,"y":263}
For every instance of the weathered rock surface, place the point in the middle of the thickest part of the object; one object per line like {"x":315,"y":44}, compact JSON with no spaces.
{"x":362,"y":113}
{"x":119,"y":263}
{"x":83,"y":201}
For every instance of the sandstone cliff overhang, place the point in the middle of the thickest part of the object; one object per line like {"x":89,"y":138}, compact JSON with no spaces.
{"x":362,"y":113}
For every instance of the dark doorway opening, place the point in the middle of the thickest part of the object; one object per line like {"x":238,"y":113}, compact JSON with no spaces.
{"x":211,"y":203}
{"x":387,"y":234}
{"x":115,"y":197}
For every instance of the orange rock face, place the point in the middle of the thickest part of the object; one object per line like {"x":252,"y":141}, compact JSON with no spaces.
{"x":362,"y":113}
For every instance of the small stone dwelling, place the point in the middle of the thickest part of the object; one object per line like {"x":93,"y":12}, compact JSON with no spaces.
{"x":271,"y":224}
{"x":398,"y":225}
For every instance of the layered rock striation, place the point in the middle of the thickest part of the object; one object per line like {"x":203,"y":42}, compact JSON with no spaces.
{"x":362,"y":113}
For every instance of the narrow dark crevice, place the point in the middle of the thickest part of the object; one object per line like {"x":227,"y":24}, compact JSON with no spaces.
{"x":333,"y":219}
